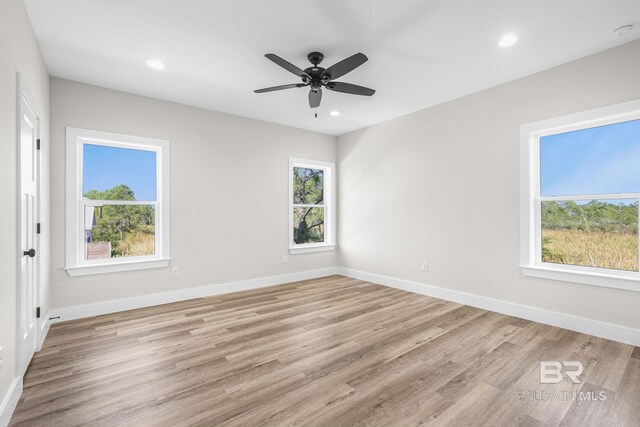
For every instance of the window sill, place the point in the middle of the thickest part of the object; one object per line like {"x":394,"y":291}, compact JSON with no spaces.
{"x":617,"y":281}
{"x":86,"y":270}
{"x":304,"y":249}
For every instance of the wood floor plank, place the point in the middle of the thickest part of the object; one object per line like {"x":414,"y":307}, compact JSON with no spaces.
{"x":333,"y":351}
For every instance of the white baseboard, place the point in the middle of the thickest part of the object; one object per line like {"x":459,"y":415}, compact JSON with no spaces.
{"x":586,"y":326}
{"x":113,"y":306}
{"x":44,"y":330}
{"x":10,"y":402}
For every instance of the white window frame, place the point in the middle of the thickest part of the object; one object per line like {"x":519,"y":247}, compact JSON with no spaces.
{"x":76,"y":264}
{"x":328,"y":204}
{"x":531,"y":263}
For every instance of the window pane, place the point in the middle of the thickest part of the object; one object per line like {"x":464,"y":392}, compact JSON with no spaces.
{"x":597,"y":233}
{"x":110,"y":173}
{"x":600,"y":160}
{"x":308,"y":225}
{"x":119,"y":231}
{"x":308,"y":186}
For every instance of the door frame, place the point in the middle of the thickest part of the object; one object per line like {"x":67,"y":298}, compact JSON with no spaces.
{"x":24,"y":92}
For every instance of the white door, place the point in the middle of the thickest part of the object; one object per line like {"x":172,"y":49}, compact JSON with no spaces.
{"x":29,"y":166}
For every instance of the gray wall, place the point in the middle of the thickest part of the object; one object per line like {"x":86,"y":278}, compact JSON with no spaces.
{"x":229,"y":192}
{"x":19,"y":52}
{"x":442,"y":185}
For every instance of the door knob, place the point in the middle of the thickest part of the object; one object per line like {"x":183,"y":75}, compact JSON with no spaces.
{"x":30,"y":252}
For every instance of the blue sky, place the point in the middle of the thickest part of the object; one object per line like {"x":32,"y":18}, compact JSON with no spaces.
{"x":599,"y":160}
{"x":106,"y":167}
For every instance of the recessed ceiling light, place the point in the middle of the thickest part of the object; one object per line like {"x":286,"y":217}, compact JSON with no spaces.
{"x":156,"y":64}
{"x":623,"y":30}
{"x":508,"y":40}
{"x":334,"y":113}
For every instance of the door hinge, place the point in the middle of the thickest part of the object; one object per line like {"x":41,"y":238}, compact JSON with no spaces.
{"x":37,"y":312}
{"x":38,"y":143}
{"x":38,"y":228}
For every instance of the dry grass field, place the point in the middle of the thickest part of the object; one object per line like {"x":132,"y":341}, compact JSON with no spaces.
{"x":140,"y":243}
{"x":618,"y":251}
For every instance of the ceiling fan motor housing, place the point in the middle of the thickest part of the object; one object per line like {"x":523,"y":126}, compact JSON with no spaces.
{"x":315,"y":58}
{"x":316,"y":73}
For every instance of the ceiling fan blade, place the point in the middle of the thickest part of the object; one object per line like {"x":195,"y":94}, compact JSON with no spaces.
{"x":274,"y":88}
{"x":345,"y":66}
{"x":315,"y":98}
{"x":349,"y":88}
{"x":287,"y":65}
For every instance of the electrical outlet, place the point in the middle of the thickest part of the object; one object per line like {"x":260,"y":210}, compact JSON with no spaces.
{"x":175,"y":272}
{"x":425,"y":267}
{"x":285,"y":260}
{"x":1,"y":358}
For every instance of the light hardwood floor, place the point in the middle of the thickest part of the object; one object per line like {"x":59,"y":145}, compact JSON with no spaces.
{"x":331,"y":352}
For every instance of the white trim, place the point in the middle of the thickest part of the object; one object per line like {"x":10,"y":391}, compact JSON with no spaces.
{"x":87,"y":270}
{"x":113,"y":306}
{"x":627,"y":280}
{"x":329,"y":206}
{"x":305,"y":249}
{"x":24,"y":90}
{"x":589,"y":197}
{"x":586,"y":326}
{"x":118,"y":203}
{"x":44,"y":331}
{"x":10,"y":401}
{"x":76,"y":265}
{"x":530,"y":224}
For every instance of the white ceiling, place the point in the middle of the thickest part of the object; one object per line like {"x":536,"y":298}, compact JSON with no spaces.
{"x":421,"y":52}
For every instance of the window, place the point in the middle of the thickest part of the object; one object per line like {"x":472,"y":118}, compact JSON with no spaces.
{"x":580,"y":196}
{"x":117,"y":202}
{"x":311,"y":206}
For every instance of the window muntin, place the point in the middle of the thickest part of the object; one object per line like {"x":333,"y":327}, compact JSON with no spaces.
{"x":310,"y":204}
{"x":117,"y":202}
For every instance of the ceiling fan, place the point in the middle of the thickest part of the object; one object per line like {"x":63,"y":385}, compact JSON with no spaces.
{"x":318,"y":77}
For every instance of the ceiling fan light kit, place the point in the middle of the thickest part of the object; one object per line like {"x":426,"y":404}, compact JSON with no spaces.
{"x":317,"y":77}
